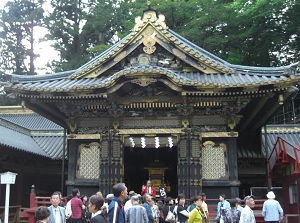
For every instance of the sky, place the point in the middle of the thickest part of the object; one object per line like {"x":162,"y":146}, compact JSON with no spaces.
{"x":46,"y":52}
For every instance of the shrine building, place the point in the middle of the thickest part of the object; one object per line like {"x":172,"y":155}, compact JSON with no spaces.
{"x":156,"y":106}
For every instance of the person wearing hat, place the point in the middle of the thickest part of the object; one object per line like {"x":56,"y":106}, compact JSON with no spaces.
{"x":136,"y":213}
{"x":272,"y":210}
{"x":247,"y":215}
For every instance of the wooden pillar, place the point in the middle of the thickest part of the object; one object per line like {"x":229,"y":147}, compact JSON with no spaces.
{"x":72,"y":158}
{"x":195,"y":165}
{"x":183,"y":167}
{"x":111,"y":162}
{"x":233,"y":166}
{"x":104,"y":178}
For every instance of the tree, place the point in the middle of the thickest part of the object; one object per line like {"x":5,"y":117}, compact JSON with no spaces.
{"x":260,"y":31}
{"x":205,"y":23}
{"x":101,"y":27}
{"x":243,"y":32}
{"x":18,"y":20}
{"x":65,"y":24}
{"x":289,"y":50}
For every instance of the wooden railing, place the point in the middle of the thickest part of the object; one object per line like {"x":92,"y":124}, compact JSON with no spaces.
{"x":13,"y":213}
{"x":35,"y":201}
{"x":281,"y":152}
{"x":213,"y":203}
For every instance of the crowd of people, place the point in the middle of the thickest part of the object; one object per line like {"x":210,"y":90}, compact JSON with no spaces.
{"x":121,"y":207}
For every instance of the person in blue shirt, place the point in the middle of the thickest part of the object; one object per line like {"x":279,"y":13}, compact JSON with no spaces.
{"x":223,"y":206}
{"x":147,"y":200}
{"x":116,"y":212}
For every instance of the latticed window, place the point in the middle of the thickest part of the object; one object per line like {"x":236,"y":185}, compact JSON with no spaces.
{"x":214,"y":160}
{"x":88,"y":163}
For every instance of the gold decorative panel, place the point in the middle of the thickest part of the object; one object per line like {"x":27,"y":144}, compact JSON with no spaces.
{"x":214,"y":160}
{"x":88,"y":163}
{"x":116,"y":148}
{"x":182,"y":148}
{"x":196,"y":153}
{"x":104,"y":149}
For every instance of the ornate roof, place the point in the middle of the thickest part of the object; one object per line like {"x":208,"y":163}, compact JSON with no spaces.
{"x":154,"y":67}
{"x":153,"y":52}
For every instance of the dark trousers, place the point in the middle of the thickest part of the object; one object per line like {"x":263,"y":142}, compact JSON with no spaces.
{"x":272,"y":221}
{"x":76,"y":220}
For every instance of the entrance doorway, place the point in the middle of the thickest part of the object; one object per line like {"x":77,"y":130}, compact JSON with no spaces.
{"x":138,"y":162}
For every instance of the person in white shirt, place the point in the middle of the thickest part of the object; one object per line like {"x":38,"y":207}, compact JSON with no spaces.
{"x":247,"y":215}
{"x":68,"y":211}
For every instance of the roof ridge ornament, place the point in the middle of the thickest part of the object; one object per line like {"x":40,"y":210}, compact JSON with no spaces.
{"x":150,"y":16}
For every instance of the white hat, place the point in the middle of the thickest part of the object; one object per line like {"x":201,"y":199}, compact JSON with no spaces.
{"x":270,"y":195}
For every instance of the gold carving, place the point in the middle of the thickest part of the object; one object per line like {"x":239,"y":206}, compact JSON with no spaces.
{"x":84,"y":136}
{"x":144,"y":59}
{"x":161,"y":21}
{"x":143,"y":81}
{"x":278,"y":129}
{"x":116,"y":124}
{"x":149,"y":49}
{"x":156,"y":171}
{"x":149,"y":32}
{"x":148,"y":40}
{"x":185,"y":123}
{"x":138,"y":23}
{"x":72,"y":125}
{"x":232,"y":121}
{"x":218,"y":134}
{"x":149,"y":131}
{"x":150,"y":16}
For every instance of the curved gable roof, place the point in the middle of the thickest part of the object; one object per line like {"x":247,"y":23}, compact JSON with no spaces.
{"x":208,"y":71}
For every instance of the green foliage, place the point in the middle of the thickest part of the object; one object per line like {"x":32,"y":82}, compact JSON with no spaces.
{"x":18,"y":20}
{"x":63,"y":24}
{"x":258,"y":32}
